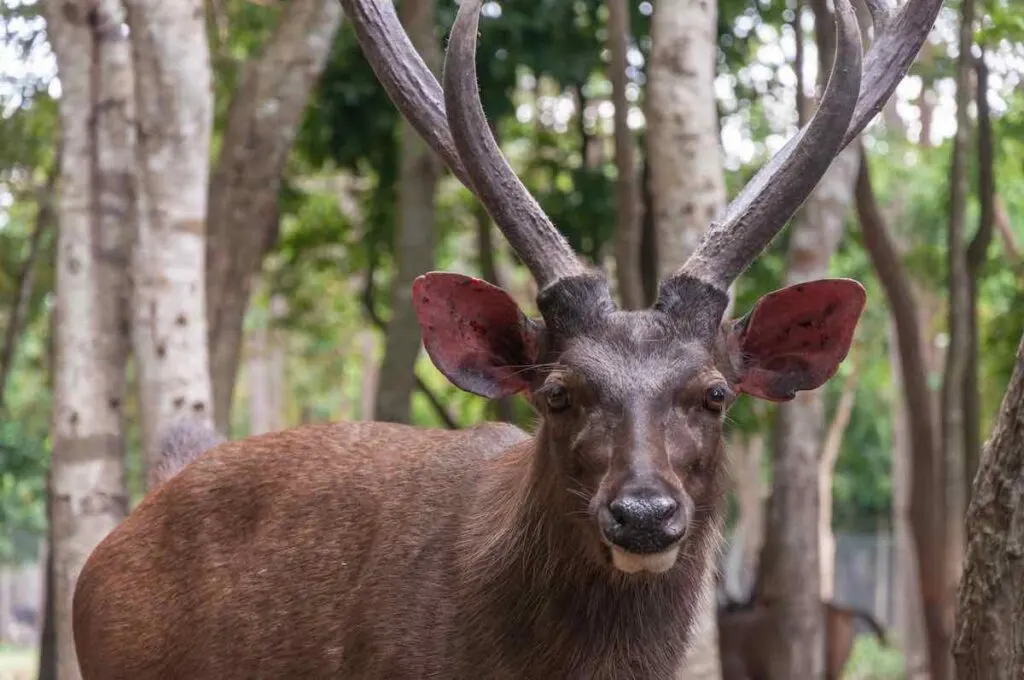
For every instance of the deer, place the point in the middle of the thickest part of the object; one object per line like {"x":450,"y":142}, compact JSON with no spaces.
{"x":743,"y":638}
{"x":578,"y":551}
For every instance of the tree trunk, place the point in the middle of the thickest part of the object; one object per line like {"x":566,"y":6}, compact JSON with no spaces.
{"x":414,"y":239}
{"x":990,"y":603}
{"x":262,"y":120}
{"x":826,"y":469}
{"x":369,"y":306}
{"x":627,"y":225}
{"x":687,"y":183}
{"x":790,"y":567}
{"x":47,"y":634}
{"x":370,"y":375}
{"x":909,"y":624}
{"x":957,"y":352}
{"x":748,"y":538}
{"x":503,"y":407}
{"x":95,"y":212}
{"x":265,"y":370}
{"x":26,"y":278}
{"x":174,"y":101}
{"x":648,"y":237}
{"x":1002,"y":221}
{"x":927,"y":472}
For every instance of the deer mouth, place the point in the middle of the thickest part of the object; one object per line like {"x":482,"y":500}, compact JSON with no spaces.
{"x":633,"y":563}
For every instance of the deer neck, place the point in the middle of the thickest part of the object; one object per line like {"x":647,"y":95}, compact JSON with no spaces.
{"x":538,"y":591}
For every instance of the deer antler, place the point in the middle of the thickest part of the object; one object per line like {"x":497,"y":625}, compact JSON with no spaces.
{"x":850,"y":101}
{"x":473,"y":155}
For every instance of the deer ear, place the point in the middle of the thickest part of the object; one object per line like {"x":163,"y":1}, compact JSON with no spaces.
{"x":795,"y":338}
{"x":475,"y":333}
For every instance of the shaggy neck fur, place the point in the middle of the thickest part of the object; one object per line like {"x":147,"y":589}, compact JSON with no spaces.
{"x":539,"y":596}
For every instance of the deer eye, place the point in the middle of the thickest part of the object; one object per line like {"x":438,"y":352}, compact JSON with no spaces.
{"x":715,"y":398}
{"x":557,"y":398}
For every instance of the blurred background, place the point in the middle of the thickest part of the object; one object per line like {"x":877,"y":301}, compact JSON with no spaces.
{"x":316,"y":207}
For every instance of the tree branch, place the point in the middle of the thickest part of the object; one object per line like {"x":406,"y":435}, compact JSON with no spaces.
{"x":977,"y":256}
{"x":26,"y":276}
{"x":369,"y":306}
{"x":977,"y":252}
{"x":263,"y":116}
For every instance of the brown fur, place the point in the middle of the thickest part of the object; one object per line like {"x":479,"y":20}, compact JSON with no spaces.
{"x":377,"y":551}
{"x":744,"y":639}
{"x":319,"y":553}
{"x":374,"y":551}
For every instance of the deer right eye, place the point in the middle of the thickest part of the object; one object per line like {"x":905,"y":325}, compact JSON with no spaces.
{"x":715,"y":398}
{"x":557,"y":398}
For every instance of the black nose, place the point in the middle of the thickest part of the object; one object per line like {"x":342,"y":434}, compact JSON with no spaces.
{"x":642,"y":511}
{"x":645,"y":521}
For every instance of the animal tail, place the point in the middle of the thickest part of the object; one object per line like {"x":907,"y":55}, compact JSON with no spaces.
{"x":179,"y":444}
{"x":873,"y":623}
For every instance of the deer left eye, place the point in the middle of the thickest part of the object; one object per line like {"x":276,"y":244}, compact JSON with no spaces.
{"x":715,"y":398}
{"x":558,"y":398}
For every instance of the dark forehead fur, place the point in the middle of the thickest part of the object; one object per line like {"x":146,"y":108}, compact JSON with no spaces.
{"x":578,"y":305}
{"x":646,"y":349}
{"x":642,"y":351}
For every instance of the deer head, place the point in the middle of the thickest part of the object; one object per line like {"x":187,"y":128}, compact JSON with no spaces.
{"x":632,"y":402}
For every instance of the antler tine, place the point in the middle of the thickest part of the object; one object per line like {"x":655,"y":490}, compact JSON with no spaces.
{"x":529,"y":231}
{"x":897,"y":41}
{"x":405,"y":77}
{"x":851,"y":100}
{"x":760,"y":211}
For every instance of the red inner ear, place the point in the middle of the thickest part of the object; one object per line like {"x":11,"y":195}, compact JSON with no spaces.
{"x":795,"y":338}
{"x":474,"y":333}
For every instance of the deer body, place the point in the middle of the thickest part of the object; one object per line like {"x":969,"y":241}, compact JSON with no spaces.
{"x":745,"y":639}
{"x":372,"y":551}
{"x":325,"y":554}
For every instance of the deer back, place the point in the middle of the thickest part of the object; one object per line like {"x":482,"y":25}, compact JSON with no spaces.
{"x":306,"y":553}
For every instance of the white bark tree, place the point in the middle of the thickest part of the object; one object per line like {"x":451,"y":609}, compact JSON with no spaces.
{"x":174,"y":104}
{"x":95,"y":215}
{"x":683,"y":146}
{"x":687,"y":183}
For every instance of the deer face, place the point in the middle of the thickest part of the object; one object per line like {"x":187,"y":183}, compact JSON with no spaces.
{"x":633,"y":412}
{"x":633,"y":402}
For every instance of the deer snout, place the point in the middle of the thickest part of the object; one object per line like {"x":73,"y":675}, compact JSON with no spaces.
{"x":644,"y":521}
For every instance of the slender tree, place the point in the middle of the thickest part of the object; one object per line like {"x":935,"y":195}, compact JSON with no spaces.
{"x":174,"y":103}
{"x":627,"y":223}
{"x":926,"y":469}
{"x":977,"y":256}
{"x":958,"y":325}
{"x":263,"y":116}
{"x":687,"y":182}
{"x":415,"y":238}
{"x":790,"y":565}
{"x":95,"y":215}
